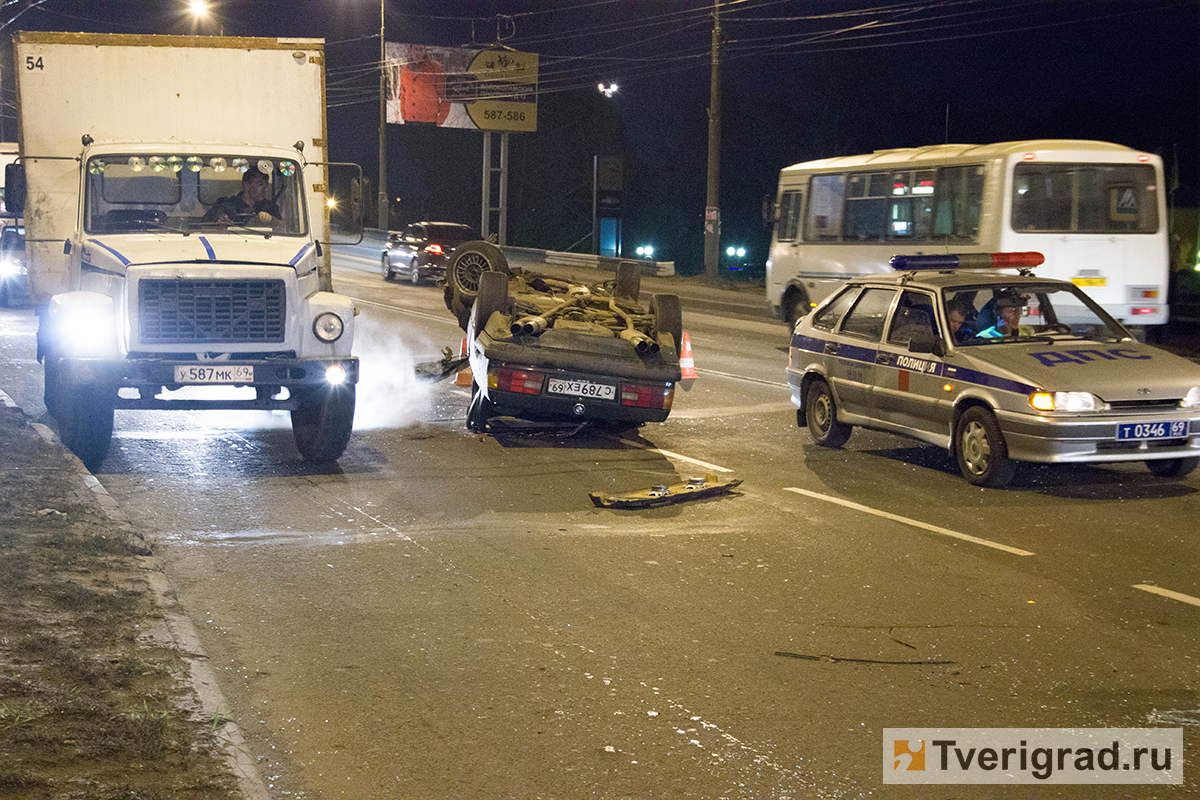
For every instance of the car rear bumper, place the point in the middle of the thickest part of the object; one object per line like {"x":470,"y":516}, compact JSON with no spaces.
{"x":571,"y":395}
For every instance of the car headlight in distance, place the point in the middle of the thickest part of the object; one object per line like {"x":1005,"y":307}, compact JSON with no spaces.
{"x":1064,"y":401}
{"x":1191,"y":399}
{"x":328,"y":327}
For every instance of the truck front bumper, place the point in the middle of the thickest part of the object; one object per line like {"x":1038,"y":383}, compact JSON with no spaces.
{"x":150,"y":377}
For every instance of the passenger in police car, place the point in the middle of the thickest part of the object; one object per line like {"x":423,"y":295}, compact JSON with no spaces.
{"x":1008,"y":307}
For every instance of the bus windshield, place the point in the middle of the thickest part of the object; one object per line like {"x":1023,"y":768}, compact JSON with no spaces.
{"x":129,"y":193}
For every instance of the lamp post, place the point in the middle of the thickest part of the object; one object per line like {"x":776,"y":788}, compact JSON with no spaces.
{"x":200,"y":10}
{"x":383,"y":193}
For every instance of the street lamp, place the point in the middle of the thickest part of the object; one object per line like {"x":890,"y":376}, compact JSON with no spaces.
{"x":608,"y":91}
{"x":200,"y":10}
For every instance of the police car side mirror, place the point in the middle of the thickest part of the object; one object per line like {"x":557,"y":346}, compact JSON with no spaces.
{"x":926,"y":343}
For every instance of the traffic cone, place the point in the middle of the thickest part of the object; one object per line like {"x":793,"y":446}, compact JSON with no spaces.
{"x":687,"y":364}
{"x":463,"y":378}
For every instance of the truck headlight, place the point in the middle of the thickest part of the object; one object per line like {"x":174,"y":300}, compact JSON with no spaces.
{"x":1191,"y":399}
{"x":1065,"y":401}
{"x":328,"y":327}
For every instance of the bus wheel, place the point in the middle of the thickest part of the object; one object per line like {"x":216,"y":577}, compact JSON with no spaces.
{"x":795,"y":307}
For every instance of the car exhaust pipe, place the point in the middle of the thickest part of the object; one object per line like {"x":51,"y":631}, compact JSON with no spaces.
{"x":529,"y":326}
{"x":641,"y":342}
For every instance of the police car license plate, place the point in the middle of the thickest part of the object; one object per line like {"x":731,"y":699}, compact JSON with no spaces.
{"x":225,"y":373}
{"x":1152,"y":430}
{"x":602,"y":391}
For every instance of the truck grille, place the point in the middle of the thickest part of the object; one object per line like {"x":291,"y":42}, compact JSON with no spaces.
{"x":204,"y":311}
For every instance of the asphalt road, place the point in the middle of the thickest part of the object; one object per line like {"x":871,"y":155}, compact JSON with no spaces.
{"x":448,"y":615}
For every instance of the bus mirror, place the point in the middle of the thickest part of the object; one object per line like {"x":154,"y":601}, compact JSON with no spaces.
{"x":14,"y":188}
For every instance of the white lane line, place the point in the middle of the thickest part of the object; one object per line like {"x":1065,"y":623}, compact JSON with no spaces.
{"x":747,"y":378}
{"x":1183,"y":598}
{"x":1016,"y":551}
{"x":399,"y":310}
{"x":675,"y":456}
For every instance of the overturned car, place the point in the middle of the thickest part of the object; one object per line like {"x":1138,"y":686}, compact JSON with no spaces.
{"x":546,"y":349}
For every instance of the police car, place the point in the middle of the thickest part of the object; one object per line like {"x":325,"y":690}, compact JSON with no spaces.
{"x":994,"y":366}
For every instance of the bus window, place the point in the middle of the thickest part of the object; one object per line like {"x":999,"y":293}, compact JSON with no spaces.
{"x":825,"y":197}
{"x":958,"y":203}
{"x":789,"y":216}
{"x":911,"y":212}
{"x":1084,"y":198}
{"x":866,"y":207}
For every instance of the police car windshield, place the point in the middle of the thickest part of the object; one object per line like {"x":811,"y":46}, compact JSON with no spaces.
{"x":997,"y":314}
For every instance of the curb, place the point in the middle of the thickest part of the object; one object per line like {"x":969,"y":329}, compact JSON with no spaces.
{"x":201,"y":676}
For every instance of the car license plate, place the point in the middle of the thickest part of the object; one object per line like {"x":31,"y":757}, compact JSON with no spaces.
{"x":1152,"y":430}
{"x":602,"y":391}
{"x":225,"y":373}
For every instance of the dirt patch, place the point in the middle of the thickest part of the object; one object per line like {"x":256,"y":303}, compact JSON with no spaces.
{"x":93,"y":698}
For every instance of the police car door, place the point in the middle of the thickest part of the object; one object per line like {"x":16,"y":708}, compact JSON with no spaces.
{"x":850,"y":353}
{"x":908,"y":385}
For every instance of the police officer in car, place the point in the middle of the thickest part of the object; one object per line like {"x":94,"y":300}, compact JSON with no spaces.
{"x":1008,"y":305}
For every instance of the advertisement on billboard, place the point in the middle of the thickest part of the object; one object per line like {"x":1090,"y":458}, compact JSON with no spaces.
{"x":461,"y":87}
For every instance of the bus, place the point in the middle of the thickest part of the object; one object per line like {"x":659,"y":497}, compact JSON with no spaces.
{"x":1096,"y":210}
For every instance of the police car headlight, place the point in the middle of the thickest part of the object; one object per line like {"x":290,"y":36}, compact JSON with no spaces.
{"x":1065,"y":401}
{"x":328,"y":327}
{"x":1191,"y":399}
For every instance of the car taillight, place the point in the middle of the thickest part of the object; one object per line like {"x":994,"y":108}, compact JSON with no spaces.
{"x":518,"y":380}
{"x":1142,"y":310}
{"x":435,"y":249}
{"x":652,"y":395}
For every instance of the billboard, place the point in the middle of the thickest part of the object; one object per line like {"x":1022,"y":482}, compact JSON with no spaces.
{"x":461,"y":87}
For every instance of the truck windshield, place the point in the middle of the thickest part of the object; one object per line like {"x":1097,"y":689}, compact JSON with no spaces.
{"x":194,"y":192}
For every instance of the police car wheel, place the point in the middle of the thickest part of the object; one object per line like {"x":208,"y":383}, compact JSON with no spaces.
{"x":981,"y":451}
{"x":820,"y":410}
{"x":1173,"y":467}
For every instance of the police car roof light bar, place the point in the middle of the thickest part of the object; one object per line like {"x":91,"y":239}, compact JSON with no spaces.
{"x":968,"y":261}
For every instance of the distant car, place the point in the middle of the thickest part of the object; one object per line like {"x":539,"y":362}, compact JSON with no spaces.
{"x":994,"y":367}
{"x":14,"y":277}
{"x":422,"y":250}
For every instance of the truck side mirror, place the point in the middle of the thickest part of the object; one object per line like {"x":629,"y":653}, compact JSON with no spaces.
{"x":14,"y":188}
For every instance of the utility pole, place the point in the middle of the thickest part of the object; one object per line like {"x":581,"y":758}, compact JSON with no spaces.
{"x":383,"y":192}
{"x":712,"y":210}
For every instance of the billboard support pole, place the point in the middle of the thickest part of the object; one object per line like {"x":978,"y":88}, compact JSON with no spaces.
{"x":504,"y":188}
{"x":485,"y":220}
{"x":383,"y":188}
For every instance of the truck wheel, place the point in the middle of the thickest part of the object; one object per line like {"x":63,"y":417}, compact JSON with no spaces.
{"x":321,"y":424}
{"x":629,"y":281}
{"x":1173,"y":467}
{"x":85,"y":421}
{"x":668,"y":317}
{"x":820,"y":411}
{"x":479,"y":412}
{"x":493,"y":296}
{"x":981,"y":451}
{"x":470,"y":260}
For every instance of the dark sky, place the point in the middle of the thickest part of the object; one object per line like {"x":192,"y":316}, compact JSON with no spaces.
{"x":800,"y":80}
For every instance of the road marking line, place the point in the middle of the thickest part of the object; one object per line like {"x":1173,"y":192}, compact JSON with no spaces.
{"x":675,"y":456}
{"x":1016,"y":551}
{"x":747,"y":378}
{"x":1183,"y":598}
{"x":413,"y":312}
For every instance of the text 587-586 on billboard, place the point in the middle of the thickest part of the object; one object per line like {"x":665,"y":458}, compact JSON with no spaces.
{"x":460,"y":87}
{"x":1033,"y":755}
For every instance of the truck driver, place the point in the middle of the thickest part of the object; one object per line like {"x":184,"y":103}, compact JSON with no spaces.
{"x":252,"y":205}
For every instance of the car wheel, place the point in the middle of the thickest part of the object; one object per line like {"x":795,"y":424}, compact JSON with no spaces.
{"x":414,"y":274}
{"x":493,"y":297}
{"x":85,"y":421}
{"x":386,"y":266}
{"x":322,"y":422}
{"x":471,"y":260}
{"x":51,"y":391}
{"x":479,"y":412}
{"x":981,"y":451}
{"x":1173,"y":467}
{"x":820,"y":410}
{"x":629,"y":281}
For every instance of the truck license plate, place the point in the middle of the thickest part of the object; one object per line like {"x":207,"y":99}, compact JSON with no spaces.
{"x":226,"y":373}
{"x":1152,"y":430}
{"x":602,"y":391}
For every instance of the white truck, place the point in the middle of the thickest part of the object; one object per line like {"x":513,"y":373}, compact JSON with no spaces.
{"x":154,"y":291}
